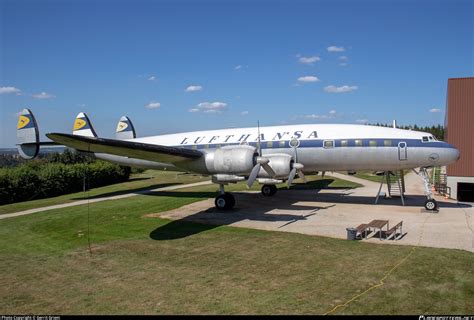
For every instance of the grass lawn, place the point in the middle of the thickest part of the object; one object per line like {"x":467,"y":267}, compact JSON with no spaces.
{"x":155,"y":266}
{"x":145,"y":180}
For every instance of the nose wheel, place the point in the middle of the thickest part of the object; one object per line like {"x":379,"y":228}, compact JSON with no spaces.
{"x":431,"y":205}
{"x":225,"y":201}
{"x":269,"y":190}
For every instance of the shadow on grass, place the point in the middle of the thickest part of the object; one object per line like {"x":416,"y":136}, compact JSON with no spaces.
{"x":179,"y":229}
{"x":140,"y":190}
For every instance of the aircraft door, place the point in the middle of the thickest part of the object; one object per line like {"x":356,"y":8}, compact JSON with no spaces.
{"x":402,"y":151}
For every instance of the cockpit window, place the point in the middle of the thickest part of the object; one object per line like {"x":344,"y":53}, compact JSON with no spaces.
{"x":431,"y":138}
{"x":425,"y":139}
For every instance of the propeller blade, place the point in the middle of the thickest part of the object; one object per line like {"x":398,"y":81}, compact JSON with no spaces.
{"x":268,"y":169}
{"x":253,"y":175}
{"x":302,"y":176}
{"x":291,"y":176}
{"x":322,"y":174}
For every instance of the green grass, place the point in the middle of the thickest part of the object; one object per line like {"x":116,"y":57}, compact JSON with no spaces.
{"x":146,"y":180}
{"x":152,"y":179}
{"x":146,"y":265}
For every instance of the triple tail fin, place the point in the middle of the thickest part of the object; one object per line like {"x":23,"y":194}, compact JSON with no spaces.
{"x":83,"y":126}
{"x":125,"y":129}
{"x":27,"y":134}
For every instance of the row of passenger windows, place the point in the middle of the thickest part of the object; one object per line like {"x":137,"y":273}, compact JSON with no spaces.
{"x":357,"y":143}
{"x":327,"y":144}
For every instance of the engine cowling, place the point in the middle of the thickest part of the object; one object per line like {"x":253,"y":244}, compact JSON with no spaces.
{"x":231,"y":160}
{"x":280,"y":163}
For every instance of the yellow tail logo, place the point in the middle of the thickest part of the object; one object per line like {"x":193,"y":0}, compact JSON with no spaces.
{"x":121,"y":126}
{"x":23,"y":122}
{"x":79,"y":124}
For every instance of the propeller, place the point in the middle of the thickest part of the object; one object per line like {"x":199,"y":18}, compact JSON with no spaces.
{"x":260,"y":162}
{"x":295,"y":167}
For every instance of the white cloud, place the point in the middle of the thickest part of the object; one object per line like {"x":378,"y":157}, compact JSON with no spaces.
{"x":336,"y":49}
{"x":309,"y":60}
{"x":43,"y":95}
{"x":343,"y":58}
{"x":153,"y":105}
{"x":342,"y":89}
{"x":308,"y":79}
{"x":343,"y":64}
{"x":7,"y":90}
{"x":210,"y":107}
{"x":362,"y":120}
{"x":316,"y":116}
{"x":151,"y":78}
{"x":332,"y":112}
{"x":244,"y":113}
{"x":434,"y":110}
{"x":238,"y":67}
{"x":193,"y":88}
{"x":82,"y":105}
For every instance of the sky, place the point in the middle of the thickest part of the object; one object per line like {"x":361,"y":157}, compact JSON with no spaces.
{"x":175,"y":66}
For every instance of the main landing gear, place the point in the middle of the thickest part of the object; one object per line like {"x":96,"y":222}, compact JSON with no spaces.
{"x":225,"y":200}
{"x":269,"y":190}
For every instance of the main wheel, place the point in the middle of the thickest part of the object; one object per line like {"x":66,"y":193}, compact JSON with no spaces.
{"x":269,"y":190}
{"x":224,"y":201}
{"x":431,"y":204}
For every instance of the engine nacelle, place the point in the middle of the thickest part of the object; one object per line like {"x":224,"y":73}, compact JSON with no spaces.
{"x":231,"y":160}
{"x":280,"y":163}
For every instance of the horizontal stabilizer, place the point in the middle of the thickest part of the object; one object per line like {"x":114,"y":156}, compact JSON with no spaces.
{"x":138,"y":150}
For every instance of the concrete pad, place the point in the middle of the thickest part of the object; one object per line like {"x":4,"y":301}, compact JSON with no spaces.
{"x":329,"y":212}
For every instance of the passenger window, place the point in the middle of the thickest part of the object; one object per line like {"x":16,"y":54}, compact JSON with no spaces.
{"x":328,"y":144}
{"x":270,"y":144}
{"x":206,"y":146}
{"x":373,"y":143}
{"x":344,"y":143}
{"x":218,"y":146}
{"x":282,"y":144}
{"x":358,"y":143}
{"x":425,"y":139}
{"x":387,"y":143}
{"x":194,"y":147}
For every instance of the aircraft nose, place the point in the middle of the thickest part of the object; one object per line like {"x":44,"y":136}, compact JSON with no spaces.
{"x":453,"y":154}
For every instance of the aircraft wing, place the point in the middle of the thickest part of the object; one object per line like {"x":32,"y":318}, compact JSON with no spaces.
{"x":130,"y":149}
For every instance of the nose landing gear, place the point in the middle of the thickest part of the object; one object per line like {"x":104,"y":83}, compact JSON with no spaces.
{"x":430,"y":203}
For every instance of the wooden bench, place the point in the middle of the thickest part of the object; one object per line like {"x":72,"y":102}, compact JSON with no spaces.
{"x":392,"y":232}
{"x":362,"y":229}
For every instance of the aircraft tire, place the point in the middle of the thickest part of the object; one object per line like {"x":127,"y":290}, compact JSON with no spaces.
{"x":431,"y":204}
{"x":269,"y":190}
{"x":224,"y":201}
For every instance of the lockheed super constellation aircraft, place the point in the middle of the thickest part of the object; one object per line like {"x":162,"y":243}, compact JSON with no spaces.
{"x":269,"y":155}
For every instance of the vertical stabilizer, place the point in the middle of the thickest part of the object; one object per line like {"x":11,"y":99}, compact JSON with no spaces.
{"x":125,"y":129}
{"x":27,"y":134}
{"x":83,"y":126}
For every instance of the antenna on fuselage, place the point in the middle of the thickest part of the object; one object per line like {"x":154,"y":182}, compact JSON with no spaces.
{"x":394,"y":123}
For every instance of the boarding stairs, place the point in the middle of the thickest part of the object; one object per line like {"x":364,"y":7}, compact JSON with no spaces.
{"x":396,"y":184}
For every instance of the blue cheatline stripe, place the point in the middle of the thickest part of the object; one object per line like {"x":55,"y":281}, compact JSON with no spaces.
{"x":319,"y":143}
